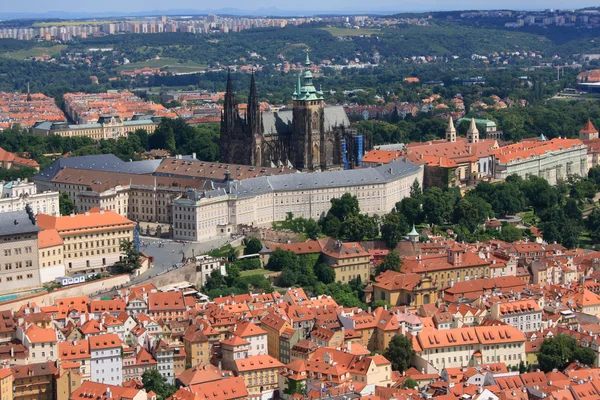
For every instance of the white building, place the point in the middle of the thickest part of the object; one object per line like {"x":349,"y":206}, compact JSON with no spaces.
{"x":15,"y":195}
{"x":549,"y":159}
{"x":205,"y":265}
{"x":264,"y":200}
{"x":107,"y":363}
{"x":164,"y":360}
{"x":525,"y":315}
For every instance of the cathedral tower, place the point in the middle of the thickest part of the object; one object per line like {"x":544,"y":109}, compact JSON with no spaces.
{"x":308,"y":144}
{"x":254,"y":125}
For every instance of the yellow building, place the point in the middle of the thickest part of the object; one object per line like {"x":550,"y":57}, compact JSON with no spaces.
{"x":410,"y":289}
{"x":458,"y":264}
{"x":34,"y":381}
{"x":348,"y":260}
{"x":196,"y":346}
{"x":259,"y":373}
{"x":6,"y":384}
{"x":274,"y":325}
{"x":68,"y":382}
{"x":457,"y":347}
{"x":91,"y":241}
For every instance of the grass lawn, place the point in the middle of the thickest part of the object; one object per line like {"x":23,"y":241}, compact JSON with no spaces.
{"x":255,"y":272}
{"x":35,"y":52}
{"x":350,"y":32}
{"x":172,"y":64}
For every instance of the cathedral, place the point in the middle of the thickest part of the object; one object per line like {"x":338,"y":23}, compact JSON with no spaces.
{"x":310,"y":137}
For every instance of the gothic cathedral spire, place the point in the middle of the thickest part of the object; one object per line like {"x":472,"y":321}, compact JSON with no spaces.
{"x":230,"y":106}
{"x":253,"y":115}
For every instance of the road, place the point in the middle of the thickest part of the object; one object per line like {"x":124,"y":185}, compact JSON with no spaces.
{"x":172,"y":253}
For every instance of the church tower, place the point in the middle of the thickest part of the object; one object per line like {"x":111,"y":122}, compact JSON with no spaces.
{"x":589,"y":132}
{"x":451,"y":132}
{"x":473,"y":132}
{"x":308,"y":144}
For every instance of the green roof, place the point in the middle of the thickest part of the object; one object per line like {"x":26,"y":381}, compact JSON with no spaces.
{"x":413,"y":232}
{"x":478,"y":121}
{"x":305,"y":89}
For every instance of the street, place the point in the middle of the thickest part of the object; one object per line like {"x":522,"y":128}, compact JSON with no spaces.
{"x":171,"y":252}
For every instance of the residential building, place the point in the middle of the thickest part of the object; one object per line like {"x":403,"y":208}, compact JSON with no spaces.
{"x":274,"y":325}
{"x":105,"y":391}
{"x":254,"y":335}
{"x":67,"y":383}
{"x":163,"y":354}
{"x":525,"y":315}
{"x":196,"y":346}
{"x":469,"y":346}
{"x":16,"y":195}
{"x":107,"y":364}
{"x":166,"y":305}
{"x":259,"y":373}
{"x":348,"y":260}
{"x":6,"y":384}
{"x":42,"y":343}
{"x":12,"y":161}
{"x":76,"y":355}
{"x":91,"y":241}
{"x":35,"y":381}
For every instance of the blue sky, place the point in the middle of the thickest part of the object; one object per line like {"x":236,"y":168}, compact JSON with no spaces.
{"x":41,"y":6}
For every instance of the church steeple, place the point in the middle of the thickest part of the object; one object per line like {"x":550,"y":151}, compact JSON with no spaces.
{"x":253,"y":108}
{"x":305,"y":89}
{"x":230,"y":106}
{"x":473,"y":132}
{"x":451,"y":132}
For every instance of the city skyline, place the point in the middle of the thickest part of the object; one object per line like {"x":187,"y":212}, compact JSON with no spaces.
{"x":138,"y":7}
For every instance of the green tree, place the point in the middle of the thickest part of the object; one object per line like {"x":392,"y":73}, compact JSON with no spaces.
{"x":65,"y":204}
{"x":344,"y":207}
{"x":324,"y":273}
{"x":131,"y":259}
{"x":294,"y":387}
{"x":410,"y":383}
{"x":331,"y":225}
{"x":391,"y":262}
{"x":253,"y":246}
{"x":559,"y":351}
{"x":154,"y":381}
{"x":393,"y":227}
{"x":359,"y":227}
{"x":415,"y":190}
{"x":437,"y":206}
{"x":282,"y":259}
{"x":510,"y":234}
{"x":399,"y":352}
{"x":411,"y":208}
{"x":215,"y":280}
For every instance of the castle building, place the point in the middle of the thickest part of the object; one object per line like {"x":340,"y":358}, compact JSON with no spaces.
{"x":310,"y":137}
